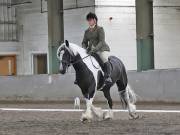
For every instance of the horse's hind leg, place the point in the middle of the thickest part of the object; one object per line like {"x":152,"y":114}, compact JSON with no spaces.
{"x":109,"y":114}
{"x":122,"y":94}
{"x":128,"y":99}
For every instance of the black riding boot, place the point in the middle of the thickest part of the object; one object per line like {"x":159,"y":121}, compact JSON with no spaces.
{"x":107,"y":73}
{"x":75,"y":82}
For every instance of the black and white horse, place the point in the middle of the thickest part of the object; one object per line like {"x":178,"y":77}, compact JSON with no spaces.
{"x":89,"y":76}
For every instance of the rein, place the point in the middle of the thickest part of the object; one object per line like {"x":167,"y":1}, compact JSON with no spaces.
{"x":85,"y":58}
{"x":80,"y":59}
{"x":72,"y":63}
{"x":93,"y":64}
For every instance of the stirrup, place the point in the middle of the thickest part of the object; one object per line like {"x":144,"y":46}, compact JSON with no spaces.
{"x":104,"y":85}
{"x":108,"y":81}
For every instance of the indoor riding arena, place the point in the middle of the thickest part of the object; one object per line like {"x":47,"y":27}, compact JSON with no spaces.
{"x":38,"y":38}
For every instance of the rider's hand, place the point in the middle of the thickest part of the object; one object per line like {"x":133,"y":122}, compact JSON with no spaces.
{"x":92,"y":51}
{"x":88,"y":50}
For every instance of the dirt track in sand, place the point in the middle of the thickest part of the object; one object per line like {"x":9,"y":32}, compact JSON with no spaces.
{"x":68,"y":123}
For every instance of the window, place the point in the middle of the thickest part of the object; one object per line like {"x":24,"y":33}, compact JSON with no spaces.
{"x":8,"y":25}
{"x":40,"y":64}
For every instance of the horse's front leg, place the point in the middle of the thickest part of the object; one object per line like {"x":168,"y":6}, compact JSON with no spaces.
{"x":87,"y":115}
{"x":90,"y":108}
{"x":89,"y":97}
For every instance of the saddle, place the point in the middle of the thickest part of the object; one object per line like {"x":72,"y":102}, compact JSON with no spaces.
{"x":101,"y":78}
{"x":96,"y":56}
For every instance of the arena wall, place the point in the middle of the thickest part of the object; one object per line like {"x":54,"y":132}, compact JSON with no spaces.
{"x":155,"y":85}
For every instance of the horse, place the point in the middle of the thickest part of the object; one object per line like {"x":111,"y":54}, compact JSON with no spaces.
{"x":89,"y":76}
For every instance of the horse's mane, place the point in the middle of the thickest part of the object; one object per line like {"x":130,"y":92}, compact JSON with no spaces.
{"x":78,"y":50}
{"x":90,"y":61}
{"x":73,"y":48}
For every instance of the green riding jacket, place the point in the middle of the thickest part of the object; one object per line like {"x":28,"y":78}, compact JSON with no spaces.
{"x":95,"y":38}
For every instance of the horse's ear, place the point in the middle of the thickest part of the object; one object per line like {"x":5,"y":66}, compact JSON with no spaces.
{"x":67,"y":43}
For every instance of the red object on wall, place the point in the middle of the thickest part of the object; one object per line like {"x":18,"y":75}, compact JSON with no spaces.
{"x":110,"y":18}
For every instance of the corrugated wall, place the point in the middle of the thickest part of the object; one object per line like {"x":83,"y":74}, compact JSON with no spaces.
{"x":75,"y":18}
{"x":121,"y":30}
{"x":33,"y":33}
{"x":34,"y":29}
{"x":167,"y":33}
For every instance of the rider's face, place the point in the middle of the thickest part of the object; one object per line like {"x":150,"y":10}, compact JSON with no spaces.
{"x":91,"y":22}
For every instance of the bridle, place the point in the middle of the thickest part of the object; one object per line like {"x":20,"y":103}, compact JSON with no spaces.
{"x":77,"y":61}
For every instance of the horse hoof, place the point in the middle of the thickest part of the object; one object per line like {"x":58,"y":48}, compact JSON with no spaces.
{"x":85,"y":120}
{"x":107,"y":119}
{"x":107,"y":116}
{"x":134,"y":116}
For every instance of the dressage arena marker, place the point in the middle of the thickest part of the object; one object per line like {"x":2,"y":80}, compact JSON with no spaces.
{"x":81,"y":110}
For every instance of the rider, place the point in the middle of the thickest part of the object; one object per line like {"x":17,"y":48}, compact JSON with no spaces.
{"x":94,"y":42}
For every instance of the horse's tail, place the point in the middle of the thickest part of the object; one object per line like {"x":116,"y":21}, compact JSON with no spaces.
{"x":132,"y":94}
{"x":128,"y":97}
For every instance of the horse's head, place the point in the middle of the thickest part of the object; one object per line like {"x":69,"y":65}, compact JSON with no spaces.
{"x":65,"y":56}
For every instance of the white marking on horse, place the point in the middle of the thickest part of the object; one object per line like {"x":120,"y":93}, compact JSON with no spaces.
{"x":89,"y":61}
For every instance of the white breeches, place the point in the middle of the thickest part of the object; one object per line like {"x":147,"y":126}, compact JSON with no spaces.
{"x":104,"y":56}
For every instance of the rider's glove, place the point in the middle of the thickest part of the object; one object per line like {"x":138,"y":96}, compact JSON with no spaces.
{"x":88,"y":50}
{"x":92,"y":51}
